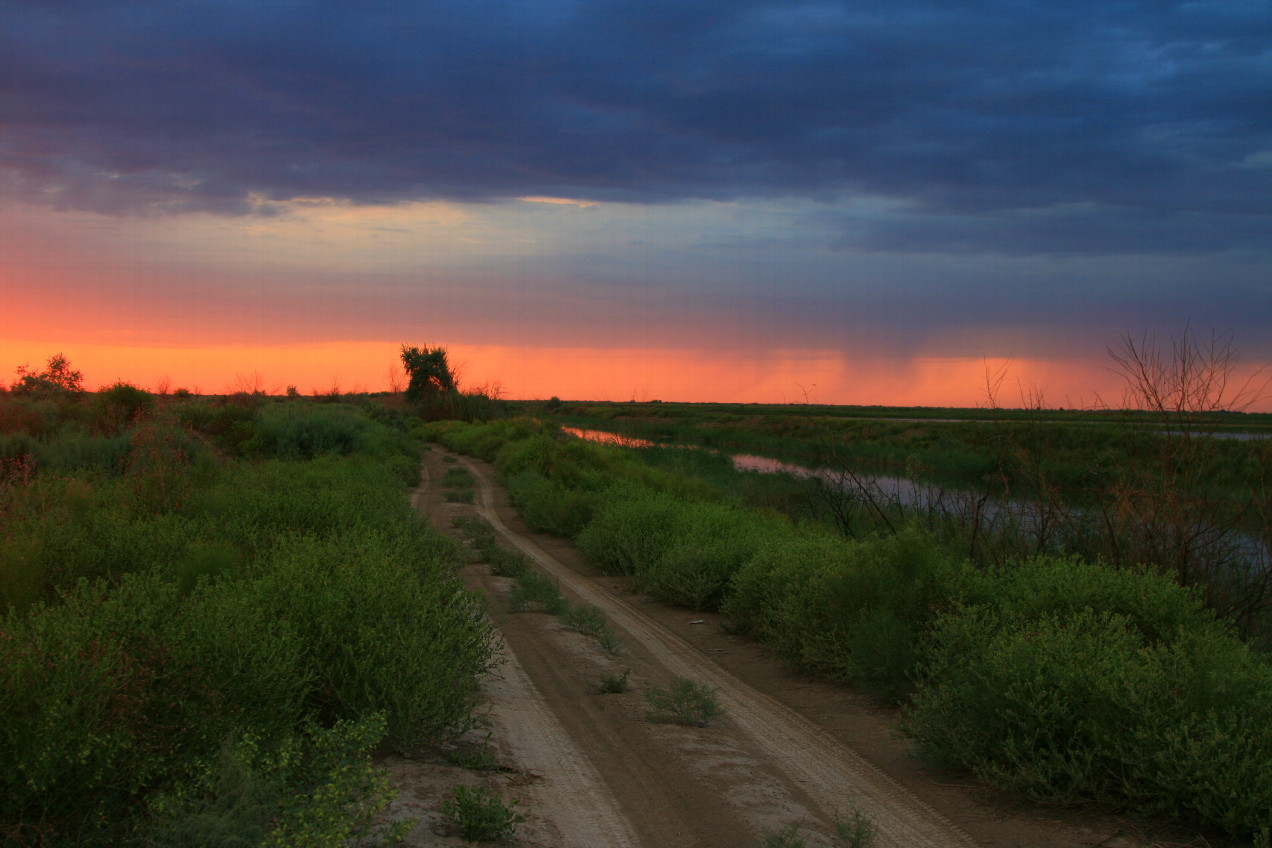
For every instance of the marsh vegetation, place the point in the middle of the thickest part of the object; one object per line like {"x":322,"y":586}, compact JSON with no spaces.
{"x":216,"y":611}
{"x":1052,"y":670}
{"x":216,"y":607}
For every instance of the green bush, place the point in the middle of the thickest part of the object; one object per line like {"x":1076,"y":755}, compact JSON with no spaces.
{"x":504,"y":562}
{"x":314,"y":788}
{"x":710,"y":544}
{"x":299,"y":430}
{"x":253,"y":503}
{"x":457,"y":485}
{"x":229,"y":422}
{"x":555,"y":481}
{"x":853,"y":611}
{"x":478,"y":531}
{"x":15,"y":447}
{"x":72,"y":451}
{"x":536,"y":591}
{"x":760,"y":587}
{"x":63,"y":530}
{"x":685,"y":702}
{"x":614,"y":684}
{"x":584,"y":618}
{"x":481,"y":816}
{"x":786,"y":837}
{"x":204,"y":560}
{"x":114,"y":691}
{"x":386,"y":624}
{"x":507,"y":563}
{"x":456,"y":477}
{"x":71,"y":693}
{"x":118,"y":406}
{"x":856,"y":832}
{"x":481,"y":440}
{"x":405,"y":467}
{"x":1100,"y":686}
{"x":32,"y":416}
{"x":883,"y":651}
{"x":676,"y":547}
{"x":632,"y":528}
{"x":547,"y":506}
{"x":159,"y":471}
{"x":228,"y":803}
{"x":607,"y":640}
{"x":529,"y":454}
{"x":1025,"y":590}
{"x":186,"y":604}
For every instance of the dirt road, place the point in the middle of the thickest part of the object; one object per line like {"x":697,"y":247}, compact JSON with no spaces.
{"x":590,"y":769}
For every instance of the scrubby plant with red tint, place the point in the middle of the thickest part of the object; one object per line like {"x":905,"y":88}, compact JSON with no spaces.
{"x":158,"y":467}
{"x":119,"y":406}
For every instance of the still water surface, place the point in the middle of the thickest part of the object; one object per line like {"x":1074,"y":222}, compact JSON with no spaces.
{"x":907,"y":493}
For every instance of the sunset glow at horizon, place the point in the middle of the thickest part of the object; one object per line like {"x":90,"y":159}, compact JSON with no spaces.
{"x":618,"y":375}
{"x":727,"y":202}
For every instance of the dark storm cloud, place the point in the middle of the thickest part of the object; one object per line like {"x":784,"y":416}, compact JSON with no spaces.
{"x":1029,"y":125}
{"x":1061,"y":230}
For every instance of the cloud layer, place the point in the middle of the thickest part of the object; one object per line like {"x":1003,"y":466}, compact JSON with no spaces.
{"x":1020,"y":128}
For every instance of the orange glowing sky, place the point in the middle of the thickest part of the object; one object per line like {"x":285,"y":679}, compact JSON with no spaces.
{"x":841,"y":203}
{"x":617,"y":374}
{"x":323,"y":298}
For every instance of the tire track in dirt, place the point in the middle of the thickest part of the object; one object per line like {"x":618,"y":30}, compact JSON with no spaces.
{"x":830,"y":776}
{"x":577,"y":800}
{"x":665,"y":801}
{"x":569,"y":797}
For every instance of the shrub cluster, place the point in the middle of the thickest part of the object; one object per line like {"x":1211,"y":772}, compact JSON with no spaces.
{"x":1069,"y":682}
{"x":549,"y":506}
{"x":684,"y":701}
{"x":298,"y":430}
{"x":192,"y":650}
{"x":481,"y":816}
{"x":534,"y":590}
{"x":1063,"y":680}
{"x":851,"y":611}
{"x":384,"y":626}
{"x":681,"y":550}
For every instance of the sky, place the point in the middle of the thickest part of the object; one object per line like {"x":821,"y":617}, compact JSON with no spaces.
{"x":823,"y":202}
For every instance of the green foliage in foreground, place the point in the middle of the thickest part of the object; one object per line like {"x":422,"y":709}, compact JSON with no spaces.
{"x":216,"y":668}
{"x":681,"y":550}
{"x":534,"y":590}
{"x":684,"y":701}
{"x":856,"y":832}
{"x":614,"y":684}
{"x":384,"y":625}
{"x":318,"y":787}
{"x":480,"y":815}
{"x":110,"y":694}
{"x":1067,"y":681}
{"x":854,"y":612}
